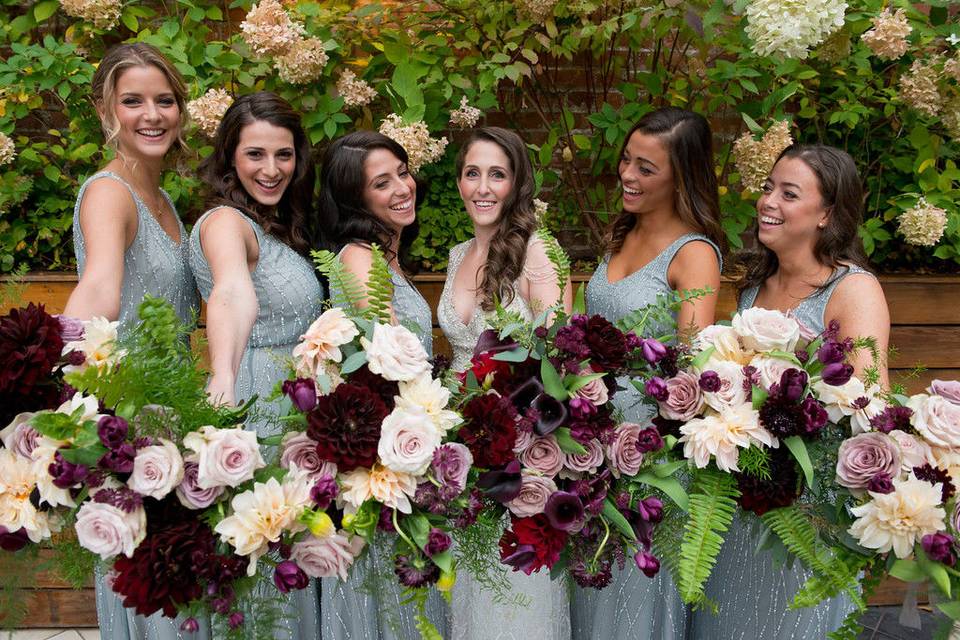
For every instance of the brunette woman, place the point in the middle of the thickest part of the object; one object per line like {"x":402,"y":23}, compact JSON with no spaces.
{"x":128,"y":238}
{"x":668,"y":238}
{"x":504,"y":262}
{"x":811,"y":264}
{"x":248,"y":254}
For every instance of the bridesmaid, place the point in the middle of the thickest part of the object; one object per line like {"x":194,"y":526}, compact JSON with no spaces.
{"x":810,"y":263}
{"x":128,"y":239}
{"x":248,"y":256}
{"x":368,"y":195}
{"x":503,"y":261}
{"x":668,"y":238}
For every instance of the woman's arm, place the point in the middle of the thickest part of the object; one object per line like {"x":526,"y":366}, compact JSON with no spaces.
{"x":539,"y":287}
{"x":108,"y":219}
{"x":695,"y":266}
{"x":230,"y":246}
{"x":860,"y":307}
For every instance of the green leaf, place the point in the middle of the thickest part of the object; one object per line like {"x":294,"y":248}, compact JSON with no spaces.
{"x":951,"y":609}
{"x":444,"y":561}
{"x":58,"y":426}
{"x":520,"y":354}
{"x":579,"y":300}
{"x":566,"y":442}
{"x":43,"y":10}
{"x":908,"y":571}
{"x":799,"y":450}
{"x":611,"y":513}
{"x":130,"y":21}
{"x":552,"y":383}
{"x":758,"y":396}
{"x":669,"y":486}
{"x":937,"y":572}
{"x":668,"y":468}
{"x":354,"y":362}
{"x":405,"y":77}
{"x":419,"y":528}
{"x":87,"y":456}
{"x":572,"y":382}
{"x":52,"y":173}
{"x":701,"y":360}
{"x":751,"y":124}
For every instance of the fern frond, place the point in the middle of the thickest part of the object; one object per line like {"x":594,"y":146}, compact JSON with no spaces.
{"x":379,"y":287}
{"x":558,"y":257}
{"x":711,"y":509}
{"x":346,"y":291}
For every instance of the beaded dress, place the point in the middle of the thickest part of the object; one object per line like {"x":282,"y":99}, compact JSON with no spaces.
{"x":156,"y":265}
{"x":543,"y":604}
{"x":289,"y":298}
{"x":632,"y":606}
{"x":752,"y":592}
{"x":368,"y":605}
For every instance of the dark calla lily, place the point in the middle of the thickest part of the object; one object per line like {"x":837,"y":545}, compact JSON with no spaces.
{"x":503,"y":485}
{"x":524,"y":395}
{"x":565,"y":512}
{"x":522,"y":559}
{"x":490,"y":342}
{"x":551,"y":413}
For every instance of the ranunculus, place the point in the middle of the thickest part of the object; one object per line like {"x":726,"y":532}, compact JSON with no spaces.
{"x":770,"y":369}
{"x":451,"y":465}
{"x":947,"y":389}
{"x":534,"y":492}
{"x":323,"y":339}
{"x":733,"y":392}
{"x":543,"y":455}
{"x":157,"y":469}
{"x":936,"y":419}
{"x":328,"y":557}
{"x":863,"y":456}
{"x":587,"y":462}
{"x":189,"y":494}
{"x":19,"y":436}
{"x":725,"y":342}
{"x":227,"y":457}
{"x":431,"y":396}
{"x":900,"y":519}
{"x":438,"y":541}
{"x":300,"y":450}
{"x":622,"y":452}
{"x":395,"y":353}
{"x":408,"y":439}
{"x":595,"y":391}
{"x":109,"y":531}
{"x":766,"y":330}
{"x":914,"y":452}
{"x":684,"y":400}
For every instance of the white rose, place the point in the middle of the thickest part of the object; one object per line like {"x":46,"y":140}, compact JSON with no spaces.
{"x":395,"y":353}
{"x":108,"y":530}
{"x":431,"y":396}
{"x":725,"y":342}
{"x":227,"y":457}
{"x":936,"y":419}
{"x":157,"y":470}
{"x":770,"y":369}
{"x":733,"y":392}
{"x":766,"y":330}
{"x":913,"y":451}
{"x":408,"y":439}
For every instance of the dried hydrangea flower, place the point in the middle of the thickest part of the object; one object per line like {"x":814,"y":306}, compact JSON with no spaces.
{"x":918,"y":87}
{"x":7,"y":150}
{"x":535,"y":10}
{"x":540,"y":208}
{"x":354,"y":91}
{"x":755,"y":158}
{"x":303,"y":63}
{"x":207,"y":110}
{"x":269,"y":30}
{"x":951,"y":117}
{"x":415,"y":139}
{"x":104,"y":14}
{"x":465,"y":116}
{"x":888,"y":37}
{"x":790,"y":28}
{"x":924,"y":224}
{"x":951,"y":68}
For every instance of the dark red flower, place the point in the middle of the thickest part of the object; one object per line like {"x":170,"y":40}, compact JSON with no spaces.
{"x":384,"y":388}
{"x":607,"y":344}
{"x":780,"y":490}
{"x":531,"y":544}
{"x":489,"y":430}
{"x":346,"y":426}
{"x":782,"y":417}
{"x":30,"y":346}
{"x":415,"y":571}
{"x":933,"y":475}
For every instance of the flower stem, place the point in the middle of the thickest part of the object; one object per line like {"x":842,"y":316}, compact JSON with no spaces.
{"x":396,"y":525}
{"x":603,"y":543}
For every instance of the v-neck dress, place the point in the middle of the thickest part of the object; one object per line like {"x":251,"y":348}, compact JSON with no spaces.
{"x":632,"y":606}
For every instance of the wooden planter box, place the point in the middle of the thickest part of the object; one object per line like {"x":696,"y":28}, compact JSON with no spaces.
{"x":925,"y":317}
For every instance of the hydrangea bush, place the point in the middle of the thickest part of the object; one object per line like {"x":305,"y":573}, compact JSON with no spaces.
{"x":879,"y":79}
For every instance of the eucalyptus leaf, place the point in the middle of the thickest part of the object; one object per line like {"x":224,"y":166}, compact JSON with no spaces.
{"x":519,"y":354}
{"x":353,"y":362}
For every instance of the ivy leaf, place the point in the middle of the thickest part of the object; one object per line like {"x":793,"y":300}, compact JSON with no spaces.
{"x":799,"y":450}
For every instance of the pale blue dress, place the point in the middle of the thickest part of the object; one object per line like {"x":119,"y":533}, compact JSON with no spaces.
{"x":368,"y":605}
{"x":156,"y":265}
{"x":753,"y":592}
{"x":633,"y":606}
{"x":289,"y":298}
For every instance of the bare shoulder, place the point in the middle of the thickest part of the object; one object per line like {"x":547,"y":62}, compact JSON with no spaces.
{"x":107,"y":200}
{"x":695,"y":265}
{"x":697,"y":252}
{"x":858,"y":290}
{"x":226,"y":229}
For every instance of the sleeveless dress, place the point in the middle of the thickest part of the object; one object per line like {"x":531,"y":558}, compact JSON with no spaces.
{"x":289,"y":298}
{"x":547,"y":612}
{"x":156,"y":265}
{"x":368,"y":605}
{"x":633,"y":606}
{"x":752,"y":592}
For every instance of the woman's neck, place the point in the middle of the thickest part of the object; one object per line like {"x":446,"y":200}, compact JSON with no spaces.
{"x":482,"y":237}
{"x":143,"y":175}
{"x":800,"y":266}
{"x":658,"y":224}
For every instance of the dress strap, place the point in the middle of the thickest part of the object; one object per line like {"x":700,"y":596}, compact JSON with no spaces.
{"x":671,"y":251}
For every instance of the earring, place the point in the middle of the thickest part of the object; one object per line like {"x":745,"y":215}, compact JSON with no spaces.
{"x":821,"y":226}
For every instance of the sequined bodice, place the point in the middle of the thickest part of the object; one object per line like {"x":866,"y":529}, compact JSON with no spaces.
{"x":153,"y":263}
{"x":463,"y":337}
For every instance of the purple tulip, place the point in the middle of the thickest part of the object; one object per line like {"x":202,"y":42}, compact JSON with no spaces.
{"x":940,"y":548}
{"x":565,"y":512}
{"x":653,"y":350}
{"x":112,"y":431}
{"x":324,"y":491}
{"x":288,"y":576}
{"x":13,"y":540}
{"x":792,"y":384}
{"x":650,"y":509}
{"x":66,"y":474}
{"x":880,"y":483}
{"x":837,"y":374}
{"x":235,"y":620}
{"x":119,"y":460}
{"x":647,"y":562}
{"x":438,"y":541}
{"x":503,"y":485}
{"x":710,"y":381}
{"x":649,"y":440}
{"x":657,"y":388}
{"x":190,"y":625}
{"x":814,"y":415}
{"x":302,"y":392}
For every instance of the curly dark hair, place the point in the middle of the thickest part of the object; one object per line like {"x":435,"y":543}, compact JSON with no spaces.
{"x":839,"y":243}
{"x":689,"y":143}
{"x":342,"y":214}
{"x":288,"y":221}
{"x":518,"y":221}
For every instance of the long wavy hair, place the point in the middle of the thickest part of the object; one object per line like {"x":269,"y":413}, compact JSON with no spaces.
{"x":343,"y":215}
{"x":287,"y":221}
{"x":689,"y":144}
{"x":518,"y":221}
{"x":842,"y":195}
{"x":117,"y":60}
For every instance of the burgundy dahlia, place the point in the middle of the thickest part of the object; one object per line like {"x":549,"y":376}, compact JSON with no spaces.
{"x":531,"y":544}
{"x":30,"y":346}
{"x":346,"y":426}
{"x":384,"y":388}
{"x":780,"y":490}
{"x":489,"y":430}
{"x":606,"y":343}
{"x":415,"y":571}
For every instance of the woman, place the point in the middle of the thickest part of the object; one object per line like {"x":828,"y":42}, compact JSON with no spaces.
{"x":505,"y":262}
{"x":248,"y":256}
{"x":368,"y":195}
{"x":811,"y":264}
{"x":128,"y":239}
{"x":668,"y":238}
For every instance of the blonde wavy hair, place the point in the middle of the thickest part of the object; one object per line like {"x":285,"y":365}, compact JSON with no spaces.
{"x":114,"y":63}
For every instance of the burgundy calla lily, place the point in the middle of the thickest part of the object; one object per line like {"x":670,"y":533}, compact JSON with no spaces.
{"x":565,"y":511}
{"x":503,"y":485}
{"x":551,"y":413}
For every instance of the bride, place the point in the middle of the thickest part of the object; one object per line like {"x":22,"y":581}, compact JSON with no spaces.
{"x":505,"y":262}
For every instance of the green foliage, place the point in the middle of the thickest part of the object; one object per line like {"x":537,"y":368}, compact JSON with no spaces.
{"x":345,"y":291}
{"x":755,"y":461}
{"x":379,"y":287}
{"x":712,"y":505}
{"x":557,"y":256}
{"x":443,"y":221}
{"x":477,"y":550}
{"x":658,"y":318}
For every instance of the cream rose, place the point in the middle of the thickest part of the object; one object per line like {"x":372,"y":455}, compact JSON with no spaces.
{"x":766,"y":330}
{"x":109,"y":531}
{"x":157,"y":470}
{"x":408,"y":439}
{"x":725,"y":342}
{"x":936,"y":419}
{"x":395,"y":353}
{"x":914,"y":452}
{"x":227,"y":457}
{"x":534,"y":491}
{"x":770,"y":369}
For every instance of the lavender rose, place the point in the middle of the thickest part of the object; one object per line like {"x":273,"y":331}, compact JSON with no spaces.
{"x":622,"y":452}
{"x":543,"y":455}
{"x":227,"y":457}
{"x":946,"y":389}
{"x":451,"y":465}
{"x":71,"y":329}
{"x":535,"y":490}
{"x":864,"y":456}
{"x":327,"y":557}
{"x":684,"y":400}
{"x":300,"y":450}
{"x":586,"y":462}
{"x":108,"y":530}
{"x":595,"y":391}
{"x":189,"y":494}
{"x":19,"y":436}
{"x":157,"y":469}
